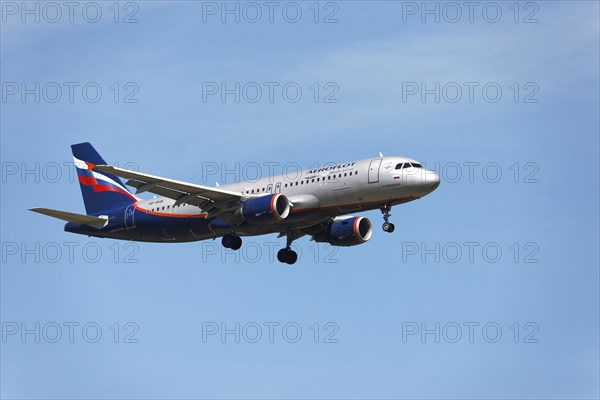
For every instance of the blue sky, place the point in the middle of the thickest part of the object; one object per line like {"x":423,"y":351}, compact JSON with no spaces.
{"x":541,"y":213}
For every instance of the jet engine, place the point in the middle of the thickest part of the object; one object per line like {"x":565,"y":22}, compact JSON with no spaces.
{"x":265,"y":210}
{"x":348,"y":231}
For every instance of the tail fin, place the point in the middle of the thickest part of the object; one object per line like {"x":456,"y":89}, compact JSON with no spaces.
{"x":99,"y":190}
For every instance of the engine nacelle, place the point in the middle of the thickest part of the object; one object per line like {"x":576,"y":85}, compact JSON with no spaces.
{"x":265,"y":210}
{"x":346,"y":232}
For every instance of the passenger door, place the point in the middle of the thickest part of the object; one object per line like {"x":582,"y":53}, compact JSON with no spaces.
{"x":374,"y":170}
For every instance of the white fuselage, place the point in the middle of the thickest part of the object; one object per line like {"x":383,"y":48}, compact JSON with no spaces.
{"x":317,"y":194}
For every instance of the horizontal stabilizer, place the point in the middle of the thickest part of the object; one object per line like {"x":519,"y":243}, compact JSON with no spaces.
{"x":95,"y":222}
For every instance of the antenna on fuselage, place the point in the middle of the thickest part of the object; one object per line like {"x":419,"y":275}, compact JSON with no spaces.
{"x":380,"y":155}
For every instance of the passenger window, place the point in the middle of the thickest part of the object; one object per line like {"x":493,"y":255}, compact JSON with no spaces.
{"x":345,"y":174}
{"x":286,"y":185}
{"x":313,"y":180}
{"x":302,"y":182}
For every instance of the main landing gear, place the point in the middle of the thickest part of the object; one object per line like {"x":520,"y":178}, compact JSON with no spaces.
{"x":287,"y":255}
{"x":387,"y":226}
{"x":232,"y":242}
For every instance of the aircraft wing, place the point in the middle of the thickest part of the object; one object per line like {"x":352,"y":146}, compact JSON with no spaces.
{"x":209,"y":199}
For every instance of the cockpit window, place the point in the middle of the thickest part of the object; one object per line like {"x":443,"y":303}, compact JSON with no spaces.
{"x":408,"y":165}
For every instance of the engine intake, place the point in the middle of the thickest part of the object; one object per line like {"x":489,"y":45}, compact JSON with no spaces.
{"x":269,"y":209}
{"x":346,"y":232}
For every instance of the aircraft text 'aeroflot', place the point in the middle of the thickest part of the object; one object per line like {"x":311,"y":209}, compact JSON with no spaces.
{"x":317,"y":203}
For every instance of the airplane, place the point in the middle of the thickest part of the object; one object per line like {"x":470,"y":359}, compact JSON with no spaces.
{"x":316,"y":202}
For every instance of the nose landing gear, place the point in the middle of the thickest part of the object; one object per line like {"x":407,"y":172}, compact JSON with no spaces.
{"x":387,"y":226}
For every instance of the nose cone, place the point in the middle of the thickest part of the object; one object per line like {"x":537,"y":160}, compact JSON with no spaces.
{"x":432,"y":179}
{"x":429,"y":181}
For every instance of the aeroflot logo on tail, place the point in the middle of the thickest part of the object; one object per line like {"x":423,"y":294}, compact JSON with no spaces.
{"x":331,"y":168}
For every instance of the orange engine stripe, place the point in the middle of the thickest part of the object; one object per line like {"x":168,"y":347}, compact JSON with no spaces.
{"x":273,"y":211}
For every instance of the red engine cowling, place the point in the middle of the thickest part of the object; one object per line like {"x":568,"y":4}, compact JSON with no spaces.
{"x":265,"y":210}
{"x":349,"y":231}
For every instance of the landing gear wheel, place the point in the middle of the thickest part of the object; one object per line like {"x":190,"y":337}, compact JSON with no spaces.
{"x":237,"y":243}
{"x":226,"y":241}
{"x":291,"y":257}
{"x":281,"y":255}
{"x":232,"y":242}
{"x":287,"y":256}
{"x":388,"y":227}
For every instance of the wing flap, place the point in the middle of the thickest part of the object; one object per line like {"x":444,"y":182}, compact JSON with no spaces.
{"x":90,"y":220}
{"x":173,"y":194}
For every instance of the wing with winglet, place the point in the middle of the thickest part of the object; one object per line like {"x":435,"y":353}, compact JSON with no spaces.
{"x":213,"y":201}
